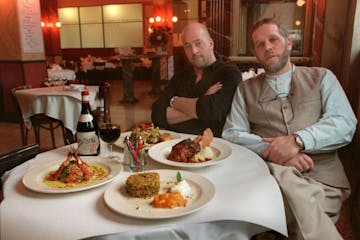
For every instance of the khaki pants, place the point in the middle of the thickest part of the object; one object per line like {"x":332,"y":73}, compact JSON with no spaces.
{"x":311,"y":207}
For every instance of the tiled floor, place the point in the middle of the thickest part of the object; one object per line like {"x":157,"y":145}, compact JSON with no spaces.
{"x":127,"y":115}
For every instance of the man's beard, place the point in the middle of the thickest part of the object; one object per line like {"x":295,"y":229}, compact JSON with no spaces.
{"x":270,"y":68}
{"x":198,"y":61}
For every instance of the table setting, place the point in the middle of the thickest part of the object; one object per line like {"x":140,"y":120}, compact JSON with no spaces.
{"x":234,"y":192}
{"x":57,"y":73}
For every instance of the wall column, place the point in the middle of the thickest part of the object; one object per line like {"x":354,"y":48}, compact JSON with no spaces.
{"x":22,"y":55}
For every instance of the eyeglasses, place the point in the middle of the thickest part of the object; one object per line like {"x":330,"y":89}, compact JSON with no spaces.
{"x":270,"y":99}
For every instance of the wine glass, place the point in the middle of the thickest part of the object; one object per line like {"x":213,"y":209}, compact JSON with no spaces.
{"x":109,"y":133}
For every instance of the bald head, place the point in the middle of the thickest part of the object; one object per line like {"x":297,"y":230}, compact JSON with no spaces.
{"x":198,"y":45}
{"x":195,"y":28}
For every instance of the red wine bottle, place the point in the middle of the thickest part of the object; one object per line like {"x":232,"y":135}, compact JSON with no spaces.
{"x":87,"y":129}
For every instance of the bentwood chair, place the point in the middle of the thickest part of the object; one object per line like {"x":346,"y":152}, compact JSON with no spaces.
{"x":38,"y":121}
{"x":102,"y":114}
{"x":16,"y":157}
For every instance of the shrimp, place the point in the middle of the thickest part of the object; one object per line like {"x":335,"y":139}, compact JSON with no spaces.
{"x":55,"y":176}
{"x":84,"y":168}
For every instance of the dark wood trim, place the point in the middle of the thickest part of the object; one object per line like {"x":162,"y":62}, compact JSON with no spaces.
{"x":304,"y":61}
{"x":20,"y":62}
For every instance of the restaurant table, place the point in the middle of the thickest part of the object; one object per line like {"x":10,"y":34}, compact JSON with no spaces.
{"x":59,"y":102}
{"x":155,"y":75}
{"x":247,"y":201}
{"x":66,"y":74}
{"x":128,"y":74}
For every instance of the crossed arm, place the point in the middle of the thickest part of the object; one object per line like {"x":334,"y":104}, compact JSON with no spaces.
{"x":284,"y":151}
{"x":334,"y":129}
{"x":185,"y":108}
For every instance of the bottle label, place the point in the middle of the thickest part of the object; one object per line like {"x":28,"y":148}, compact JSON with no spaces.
{"x":88,"y":143}
{"x":85,"y":98}
{"x":86,"y":118}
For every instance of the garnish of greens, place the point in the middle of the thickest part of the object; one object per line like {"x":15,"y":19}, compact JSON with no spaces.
{"x":64,"y":172}
{"x":178,"y":177}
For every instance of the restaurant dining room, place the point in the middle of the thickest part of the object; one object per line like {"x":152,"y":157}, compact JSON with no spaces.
{"x":168,"y":119}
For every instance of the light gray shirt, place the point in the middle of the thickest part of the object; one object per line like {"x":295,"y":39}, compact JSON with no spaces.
{"x":335,"y":128}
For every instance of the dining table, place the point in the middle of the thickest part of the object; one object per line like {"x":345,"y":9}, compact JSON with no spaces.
{"x":246,"y":201}
{"x":67,"y":74}
{"x":59,"y":102}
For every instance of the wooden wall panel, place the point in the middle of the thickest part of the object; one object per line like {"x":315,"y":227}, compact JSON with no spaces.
{"x":51,"y":34}
{"x":219,"y":25}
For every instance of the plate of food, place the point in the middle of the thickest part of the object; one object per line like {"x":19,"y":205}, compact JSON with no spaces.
{"x":201,"y":151}
{"x":71,"y":175}
{"x":151,"y":135}
{"x":159,"y":194}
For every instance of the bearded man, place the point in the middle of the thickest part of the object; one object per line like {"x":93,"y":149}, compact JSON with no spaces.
{"x":295,"y":118}
{"x":200,"y":96}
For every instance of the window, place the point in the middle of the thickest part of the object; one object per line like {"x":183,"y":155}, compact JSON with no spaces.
{"x":101,"y":26}
{"x":290,"y":13}
{"x":187,"y":12}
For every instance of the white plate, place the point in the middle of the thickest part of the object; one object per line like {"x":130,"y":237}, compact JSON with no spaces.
{"x":117,"y":199}
{"x":160,"y":151}
{"x":120,"y":142}
{"x":34,"y":177}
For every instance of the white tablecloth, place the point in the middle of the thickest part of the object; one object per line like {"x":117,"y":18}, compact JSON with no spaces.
{"x":246,"y":194}
{"x":67,"y":74}
{"x":57,"y":102}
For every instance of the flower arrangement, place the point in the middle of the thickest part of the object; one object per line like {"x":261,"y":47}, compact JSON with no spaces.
{"x":159,"y":35}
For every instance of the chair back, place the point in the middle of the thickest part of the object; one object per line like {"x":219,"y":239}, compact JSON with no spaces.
{"x":104,"y":93}
{"x":19,"y":116}
{"x":17,"y":157}
{"x":102,"y":114}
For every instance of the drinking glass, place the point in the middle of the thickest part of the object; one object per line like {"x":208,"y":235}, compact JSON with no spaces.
{"x":109,"y":133}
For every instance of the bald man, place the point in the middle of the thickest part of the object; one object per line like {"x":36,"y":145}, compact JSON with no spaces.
{"x":200,"y":96}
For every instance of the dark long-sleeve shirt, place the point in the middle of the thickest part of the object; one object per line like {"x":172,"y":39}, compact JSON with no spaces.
{"x":211,"y":109}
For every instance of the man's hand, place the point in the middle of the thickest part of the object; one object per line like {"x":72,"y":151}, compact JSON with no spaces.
{"x":214,"y":88}
{"x":280,"y":149}
{"x":301,"y":162}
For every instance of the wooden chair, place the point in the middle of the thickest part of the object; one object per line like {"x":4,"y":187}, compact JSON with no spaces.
{"x":17,"y":157}
{"x":38,"y":121}
{"x":102,"y":114}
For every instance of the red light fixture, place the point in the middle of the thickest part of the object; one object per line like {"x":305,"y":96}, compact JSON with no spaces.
{"x":158,"y":19}
{"x":50,"y":24}
{"x":174,"y":19}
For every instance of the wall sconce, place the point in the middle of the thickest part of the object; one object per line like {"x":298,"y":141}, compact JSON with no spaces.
{"x":160,"y":30}
{"x":161,"y":20}
{"x":50,"y":24}
{"x":300,"y":3}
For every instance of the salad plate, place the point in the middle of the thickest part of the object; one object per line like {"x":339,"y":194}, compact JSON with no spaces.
{"x":117,"y":199}
{"x":160,"y":151}
{"x":35,"y":176}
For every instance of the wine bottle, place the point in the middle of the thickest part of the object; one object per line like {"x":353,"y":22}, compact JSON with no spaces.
{"x":87,"y":129}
